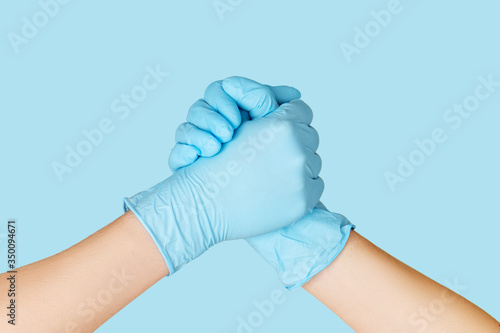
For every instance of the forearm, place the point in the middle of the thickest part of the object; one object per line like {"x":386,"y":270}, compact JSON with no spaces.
{"x":80,"y":288}
{"x":374,"y":292}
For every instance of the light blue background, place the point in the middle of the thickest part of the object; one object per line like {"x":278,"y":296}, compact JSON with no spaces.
{"x":442,"y":221}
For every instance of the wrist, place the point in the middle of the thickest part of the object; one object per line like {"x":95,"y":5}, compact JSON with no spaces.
{"x":305,"y":248}
{"x":174,"y":214}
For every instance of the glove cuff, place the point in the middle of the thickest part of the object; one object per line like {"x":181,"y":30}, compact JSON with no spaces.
{"x":305,"y":248}
{"x":176,"y":219}
{"x":329,"y":241}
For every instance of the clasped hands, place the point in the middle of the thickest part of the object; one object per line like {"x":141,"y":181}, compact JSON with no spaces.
{"x":245,"y":167}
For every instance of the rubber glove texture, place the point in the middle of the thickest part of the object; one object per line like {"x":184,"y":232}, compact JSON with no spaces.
{"x":265,"y":178}
{"x":301,"y":250}
{"x":212,"y":120}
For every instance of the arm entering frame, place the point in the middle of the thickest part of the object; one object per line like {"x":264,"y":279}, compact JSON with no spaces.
{"x":80,"y":288}
{"x":374,"y":292}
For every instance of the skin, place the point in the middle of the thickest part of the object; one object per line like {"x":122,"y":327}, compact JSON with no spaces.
{"x":374,"y":292}
{"x":120,"y":260}
{"x":88,"y":283}
{"x":369,"y":289}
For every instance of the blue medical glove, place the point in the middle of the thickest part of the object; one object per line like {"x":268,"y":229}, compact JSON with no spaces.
{"x":303,"y":249}
{"x":265,"y":178}
{"x":212,"y":120}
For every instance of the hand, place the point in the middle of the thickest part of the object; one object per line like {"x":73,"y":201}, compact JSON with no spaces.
{"x":212,"y":120}
{"x":299,"y":251}
{"x":265,"y":178}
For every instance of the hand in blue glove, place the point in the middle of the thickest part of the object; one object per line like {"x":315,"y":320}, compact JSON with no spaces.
{"x":265,"y":178}
{"x":299,"y":251}
{"x":212,"y":120}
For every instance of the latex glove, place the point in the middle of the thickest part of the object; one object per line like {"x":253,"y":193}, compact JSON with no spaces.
{"x":212,"y":120}
{"x":265,"y":178}
{"x":301,"y":250}
{"x":305,"y":248}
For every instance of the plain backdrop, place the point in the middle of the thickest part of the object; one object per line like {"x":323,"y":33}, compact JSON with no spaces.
{"x":443,"y":220}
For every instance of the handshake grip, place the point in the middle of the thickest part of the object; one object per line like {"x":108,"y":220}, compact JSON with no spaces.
{"x":265,"y":178}
{"x":256,"y":177}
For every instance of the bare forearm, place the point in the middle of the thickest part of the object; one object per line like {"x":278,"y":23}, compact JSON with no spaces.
{"x":80,"y":288}
{"x":374,"y":292}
